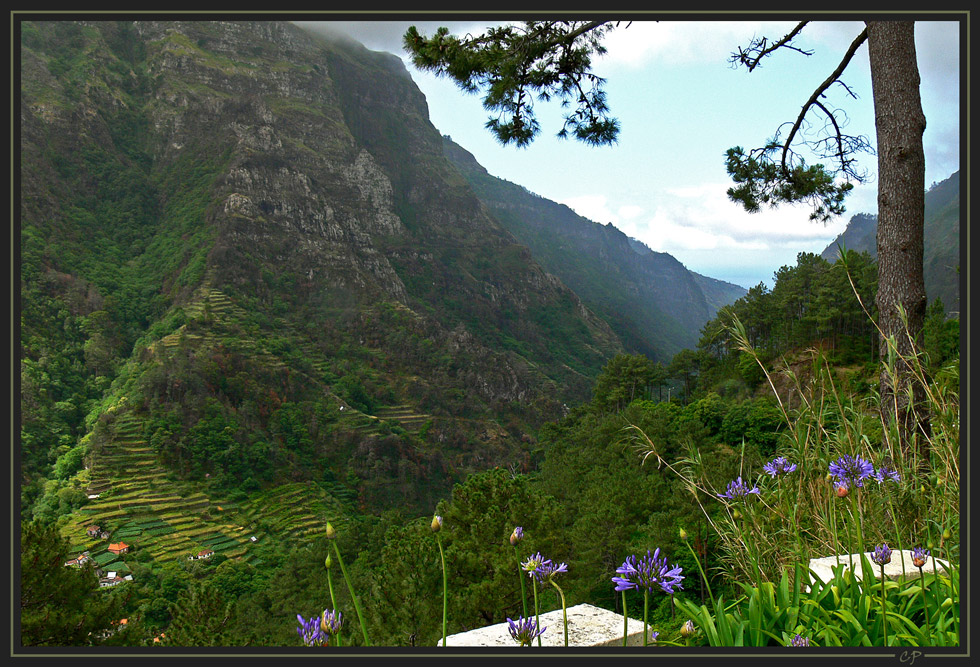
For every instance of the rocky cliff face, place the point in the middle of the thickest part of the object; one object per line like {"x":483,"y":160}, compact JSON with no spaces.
{"x":203,"y":169}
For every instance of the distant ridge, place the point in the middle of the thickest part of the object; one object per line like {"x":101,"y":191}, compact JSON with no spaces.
{"x":649,"y":299}
{"x":941,"y":253}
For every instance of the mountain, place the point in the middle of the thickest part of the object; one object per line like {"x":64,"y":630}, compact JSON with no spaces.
{"x":255,"y":291}
{"x":245,"y":256}
{"x":941,"y":247}
{"x":649,"y":299}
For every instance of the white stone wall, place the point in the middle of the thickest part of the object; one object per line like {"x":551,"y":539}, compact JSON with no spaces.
{"x":587,"y":626}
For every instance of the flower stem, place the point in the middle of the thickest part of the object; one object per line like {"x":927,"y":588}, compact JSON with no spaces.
{"x":925,"y":602}
{"x":442,"y":556}
{"x":564,"y":611}
{"x":646,"y":606}
{"x":520,"y":575}
{"x":537,"y":617}
{"x":698,"y":563}
{"x":357,"y":605}
{"x":333,"y":601}
{"x":625,"y":620}
{"x":884,"y":616}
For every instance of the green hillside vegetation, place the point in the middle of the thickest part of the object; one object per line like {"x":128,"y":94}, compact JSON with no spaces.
{"x":613,"y":477}
{"x":256,"y":298}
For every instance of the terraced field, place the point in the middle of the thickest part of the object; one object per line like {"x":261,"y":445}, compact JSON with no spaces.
{"x":405,"y":415}
{"x":140,"y":506}
{"x":136,"y":502}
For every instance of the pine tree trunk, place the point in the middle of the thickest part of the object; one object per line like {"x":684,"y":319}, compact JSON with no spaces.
{"x":900,"y":122}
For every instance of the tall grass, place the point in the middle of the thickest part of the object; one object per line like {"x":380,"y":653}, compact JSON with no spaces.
{"x":799,"y":516}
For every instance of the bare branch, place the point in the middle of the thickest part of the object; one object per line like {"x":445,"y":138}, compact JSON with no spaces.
{"x":821,"y":89}
{"x":758,"y":49}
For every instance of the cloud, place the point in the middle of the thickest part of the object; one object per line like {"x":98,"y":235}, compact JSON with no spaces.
{"x":703,"y":218}
{"x":682,"y":42}
{"x":387,"y":35}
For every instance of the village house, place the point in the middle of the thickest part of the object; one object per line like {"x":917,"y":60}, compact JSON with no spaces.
{"x":119,"y":548}
{"x":110,"y":579}
{"x":201,"y":555}
{"x":113,"y":579}
{"x":93,"y":530}
{"x":78,"y":561}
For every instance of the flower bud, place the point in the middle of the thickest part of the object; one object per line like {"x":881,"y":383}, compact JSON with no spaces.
{"x":683,"y":534}
{"x":516,"y":536}
{"x":947,"y":534}
{"x":331,"y":533}
{"x":436,"y":524}
{"x":328,"y":563}
{"x":688,"y":629}
{"x":736,"y":515}
{"x":842,"y":491}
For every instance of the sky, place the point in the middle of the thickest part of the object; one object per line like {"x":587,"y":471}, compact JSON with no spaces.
{"x":681,"y":105}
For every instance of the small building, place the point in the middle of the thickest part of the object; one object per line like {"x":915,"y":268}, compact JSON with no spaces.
{"x":253,"y":538}
{"x":78,"y":561}
{"x":93,"y":530}
{"x":119,"y":548}
{"x":202,"y":555}
{"x":110,"y":579}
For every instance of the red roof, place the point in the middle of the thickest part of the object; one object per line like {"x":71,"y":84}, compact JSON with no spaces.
{"x":118,"y":546}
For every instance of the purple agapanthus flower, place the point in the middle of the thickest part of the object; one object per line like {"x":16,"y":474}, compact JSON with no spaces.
{"x":800,"y":640}
{"x":524,"y":630}
{"x":919,"y":556}
{"x":738,"y":489}
{"x":778,"y":466}
{"x":517,"y":535}
{"x":885,"y":473}
{"x":882,"y":555}
{"x":535,"y":563}
{"x":548,"y":569}
{"x":851,"y":471}
{"x":309,"y":630}
{"x":653,"y":636}
{"x":330,"y":623}
{"x":648,"y":572}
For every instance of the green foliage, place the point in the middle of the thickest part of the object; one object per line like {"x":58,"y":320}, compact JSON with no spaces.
{"x":626,"y":378}
{"x":70,"y":462}
{"x":763,"y":180}
{"x":843,"y":611}
{"x":483,"y":577}
{"x":59,"y":606}
{"x":514,"y":64}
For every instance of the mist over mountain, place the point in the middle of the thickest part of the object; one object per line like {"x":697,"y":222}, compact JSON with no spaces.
{"x":654,"y":304}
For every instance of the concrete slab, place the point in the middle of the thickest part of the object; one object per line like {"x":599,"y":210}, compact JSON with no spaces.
{"x":587,"y":626}
{"x":822,"y":567}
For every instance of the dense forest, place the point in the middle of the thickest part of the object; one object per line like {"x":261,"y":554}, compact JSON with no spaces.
{"x":586,"y":498}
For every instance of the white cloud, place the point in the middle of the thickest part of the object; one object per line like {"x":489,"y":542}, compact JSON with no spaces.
{"x":699,"y":222}
{"x":683,"y":42}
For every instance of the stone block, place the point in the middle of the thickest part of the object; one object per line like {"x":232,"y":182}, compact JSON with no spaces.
{"x":823,"y":567}
{"x":587,"y":626}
